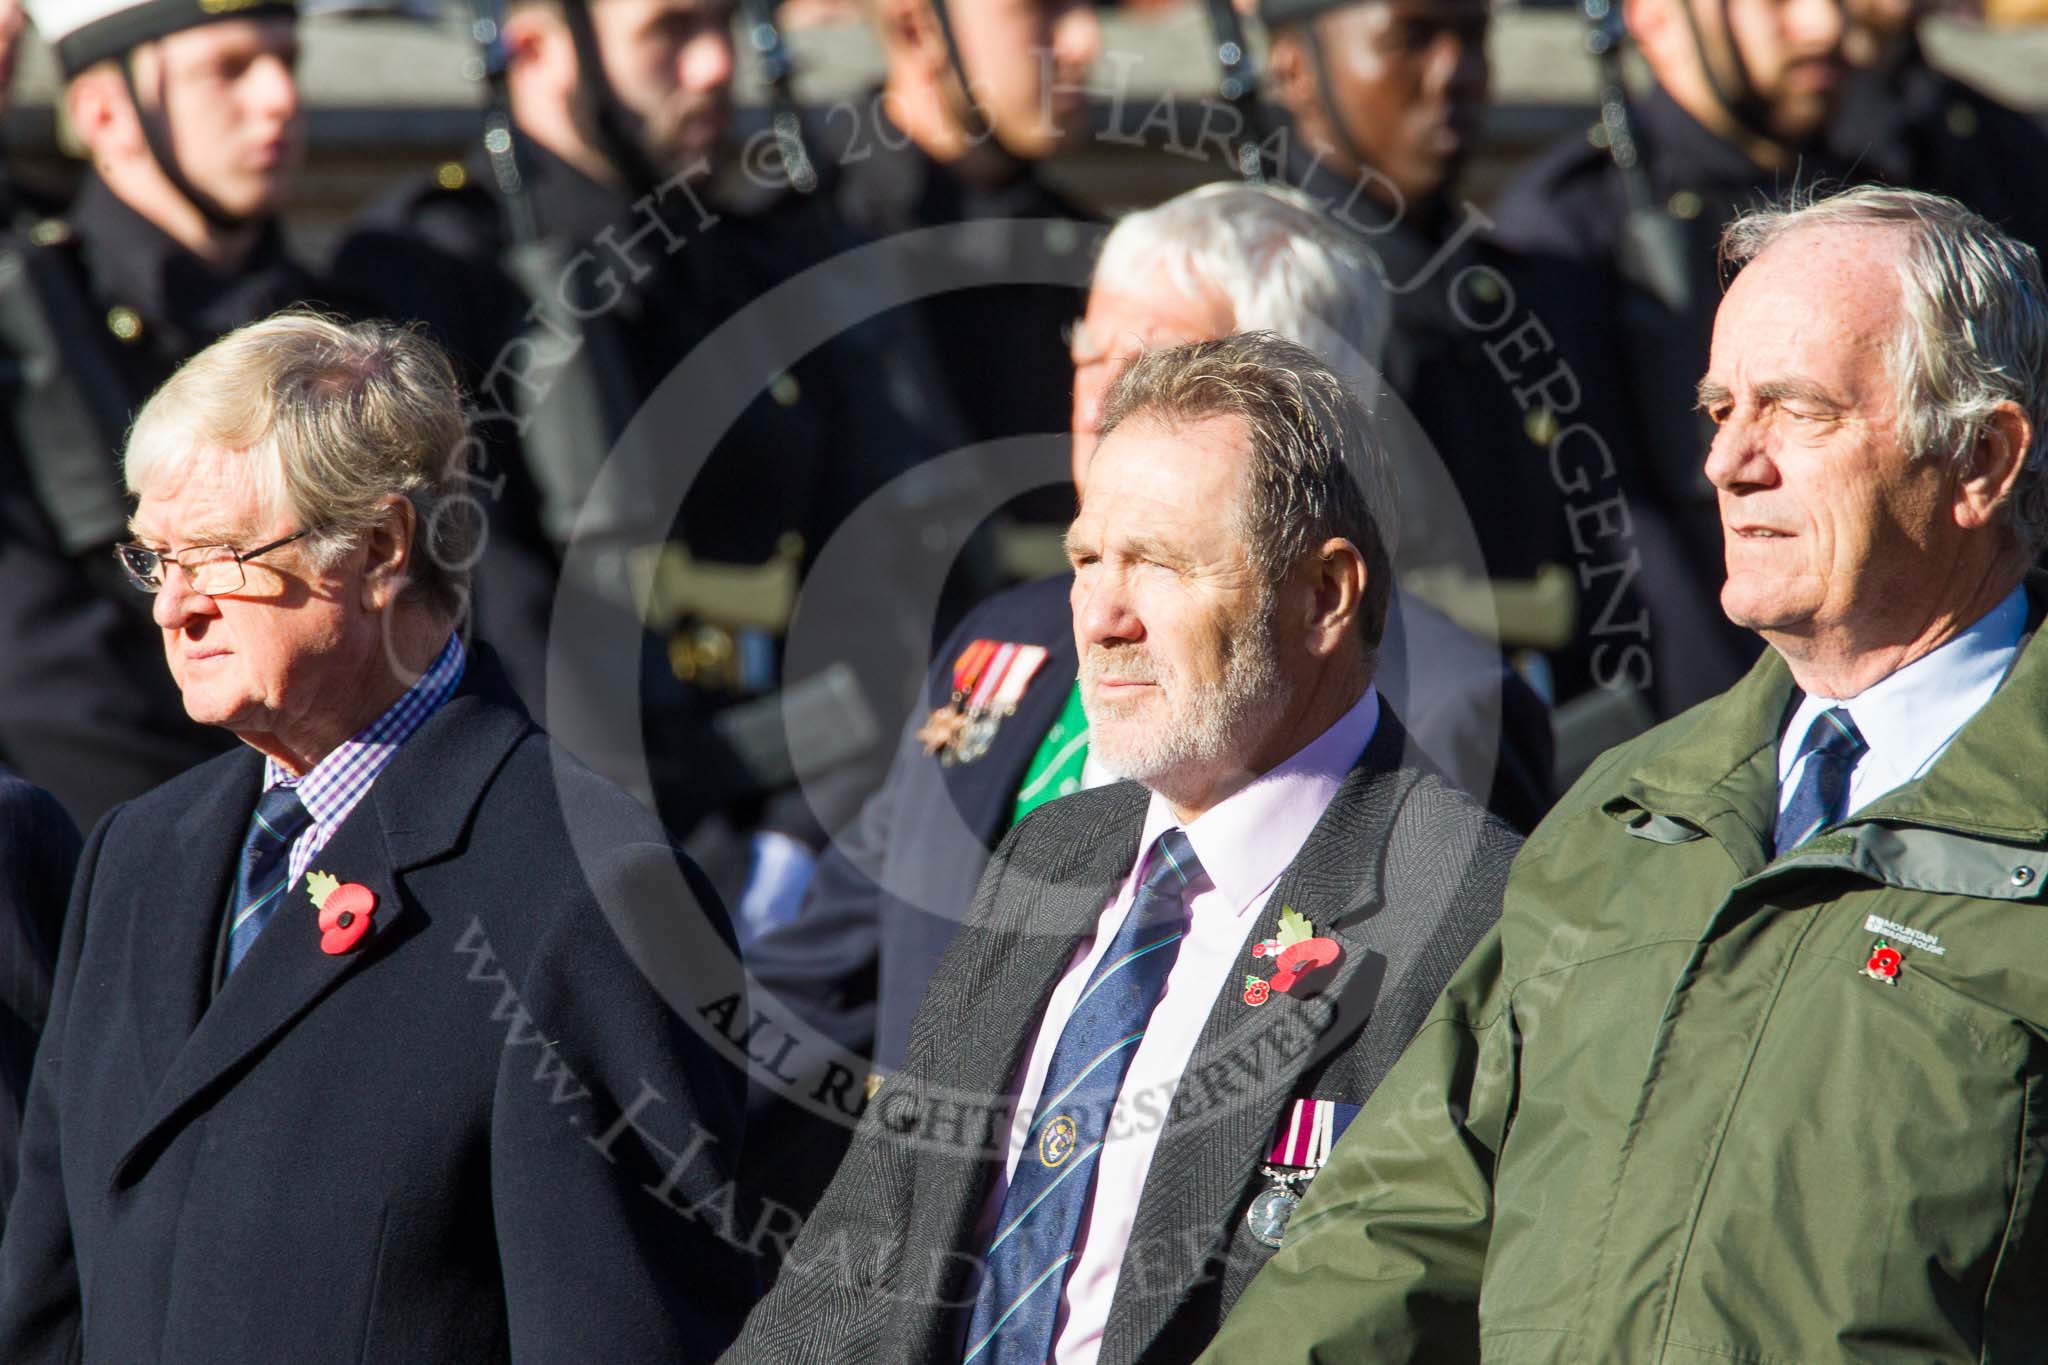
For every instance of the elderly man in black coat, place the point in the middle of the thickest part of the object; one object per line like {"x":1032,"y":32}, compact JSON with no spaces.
{"x":356,"y":1049}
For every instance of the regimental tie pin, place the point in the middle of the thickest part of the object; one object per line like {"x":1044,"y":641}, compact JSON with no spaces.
{"x":1884,"y":963}
{"x":1299,"y":956}
{"x":345,"y":910}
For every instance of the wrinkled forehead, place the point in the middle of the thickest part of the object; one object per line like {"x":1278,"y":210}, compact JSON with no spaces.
{"x":1822,"y":296}
{"x":1157,"y":473}
{"x":209,"y":496}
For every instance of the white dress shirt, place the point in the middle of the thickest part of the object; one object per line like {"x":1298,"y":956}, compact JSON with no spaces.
{"x":1244,"y":844}
{"x":1909,"y":718}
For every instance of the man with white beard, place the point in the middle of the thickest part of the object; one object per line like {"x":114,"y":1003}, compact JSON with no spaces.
{"x":1199,"y":973}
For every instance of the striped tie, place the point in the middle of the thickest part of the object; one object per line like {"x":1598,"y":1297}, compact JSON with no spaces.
{"x":1831,"y":748}
{"x":261,"y":876}
{"x":1033,"y":1246}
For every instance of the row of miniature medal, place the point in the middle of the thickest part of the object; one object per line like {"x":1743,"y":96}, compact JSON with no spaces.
{"x":1300,"y":1149}
{"x":989,"y":679}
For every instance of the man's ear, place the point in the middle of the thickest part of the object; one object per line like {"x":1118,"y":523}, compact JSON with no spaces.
{"x":1661,"y":33}
{"x":1994,"y":465}
{"x":538,"y":49}
{"x":910,"y":32}
{"x":1649,"y":22}
{"x":96,"y":102}
{"x":387,"y":553}
{"x":1337,"y":579}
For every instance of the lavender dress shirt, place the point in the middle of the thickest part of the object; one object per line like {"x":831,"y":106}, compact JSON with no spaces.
{"x":1244,"y":844}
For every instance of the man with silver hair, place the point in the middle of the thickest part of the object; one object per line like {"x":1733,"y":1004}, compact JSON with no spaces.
{"x":1171,"y":992}
{"x":343,"y":1056}
{"x":1753,"y":1067}
{"x":889,"y":895}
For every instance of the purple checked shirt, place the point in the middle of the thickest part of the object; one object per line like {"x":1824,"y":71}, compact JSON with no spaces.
{"x":336,"y":784}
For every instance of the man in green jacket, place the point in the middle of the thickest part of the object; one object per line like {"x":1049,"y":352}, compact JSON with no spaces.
{"x":1755,"y":1067}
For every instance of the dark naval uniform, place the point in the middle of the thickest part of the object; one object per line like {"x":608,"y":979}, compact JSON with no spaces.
{"x":1003,"y":347}
{"x":98,"y":309}
{"x":38,"y":857}
{"x":1002,"y":344}
{"x":1505,"y":370}
{"x":1913,"y":125}
{"x":1438,"y":292}
{"x":1572,"y":201}
{"x":639,"y":286}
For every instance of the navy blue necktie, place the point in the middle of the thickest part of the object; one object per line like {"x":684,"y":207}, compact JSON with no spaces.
{"x":1032,"y":1249}
{"x":265,"y":868}
{"x":1831,"y":748}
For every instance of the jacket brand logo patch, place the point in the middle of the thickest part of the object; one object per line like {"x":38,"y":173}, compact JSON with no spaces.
{"x":1899,"y":933}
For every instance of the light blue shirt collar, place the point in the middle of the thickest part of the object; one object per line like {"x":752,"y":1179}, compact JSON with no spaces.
{"x":1909,"y":718}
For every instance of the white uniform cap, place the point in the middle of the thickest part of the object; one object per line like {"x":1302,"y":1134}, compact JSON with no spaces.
{"x":84,"y":32}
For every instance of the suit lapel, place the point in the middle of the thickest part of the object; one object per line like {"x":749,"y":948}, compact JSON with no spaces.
{"x":171,"y":942}
{"x":1029,"y":947}
{"x":415,"y":812}
{"x":1248,"y":1062}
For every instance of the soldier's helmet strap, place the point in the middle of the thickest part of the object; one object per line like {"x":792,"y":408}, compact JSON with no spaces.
{"x":1744,"y":102}
{"x":1331,"y":114}
{"x":610,"y":123}
{"x":979,"y":130}
{"x":156,"y":135}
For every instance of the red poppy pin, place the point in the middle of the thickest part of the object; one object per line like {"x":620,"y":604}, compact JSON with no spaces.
{"x":1299,"y":954}
{"x":1884,"y":963}
{"x":345,"y":910}
{"x":1257,"y":991}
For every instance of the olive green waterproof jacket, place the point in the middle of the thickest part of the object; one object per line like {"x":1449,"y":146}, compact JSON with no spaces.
{"x":1664,"y":1114}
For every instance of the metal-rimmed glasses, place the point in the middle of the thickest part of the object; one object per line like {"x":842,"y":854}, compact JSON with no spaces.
{"x":212,"y":570}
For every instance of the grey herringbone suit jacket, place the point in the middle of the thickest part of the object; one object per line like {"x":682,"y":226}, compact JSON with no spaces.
{"x":1403,"y":869}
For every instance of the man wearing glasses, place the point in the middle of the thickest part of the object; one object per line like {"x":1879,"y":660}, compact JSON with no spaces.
{"x":344,"y":1056}
{"x":191,"y":117}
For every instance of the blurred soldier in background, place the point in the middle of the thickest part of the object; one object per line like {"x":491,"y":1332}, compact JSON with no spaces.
{"x":571,"y":289}
{"x":1384,"y":101}
{"x":20,"y":205}
{"x":191,"y":117}
{"x":38,"y":854}
{"x":979,"y":93}
{"x":1739,"y":105}
{"x":1906,"y":122}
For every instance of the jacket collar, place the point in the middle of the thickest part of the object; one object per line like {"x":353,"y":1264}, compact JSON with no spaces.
{"x":1717,"y":773}
{"x":894,"y":185}
{"x":570,"y":205}
{"x":183,"y":301}
{"x":417,"y":811}
{"x":1689,"y":155}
